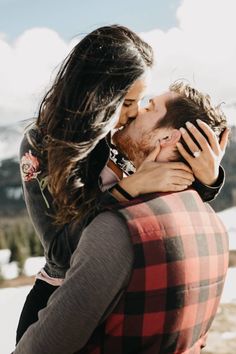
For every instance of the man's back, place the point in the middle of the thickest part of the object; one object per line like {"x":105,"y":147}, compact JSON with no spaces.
{"x":180,"y":263}
{"x":145,"y":278}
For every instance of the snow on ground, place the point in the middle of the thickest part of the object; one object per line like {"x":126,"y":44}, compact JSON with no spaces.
{"x":11,"y":303}
{"x":12,"y":299}
{"x":228,"y":217}
{"x":10,"y":270}
{"x":229,"y":292}
{"x":5,"y":256}
{"x":33,"y":265}
{"x":232,"y":239}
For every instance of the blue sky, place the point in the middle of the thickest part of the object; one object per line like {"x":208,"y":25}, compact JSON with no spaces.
{"x":72,"y":17}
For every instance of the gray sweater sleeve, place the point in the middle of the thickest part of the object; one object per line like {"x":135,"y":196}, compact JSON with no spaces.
{"x":100,"y":270}
{"x":58,"y":241}
{"x":54,"y":239}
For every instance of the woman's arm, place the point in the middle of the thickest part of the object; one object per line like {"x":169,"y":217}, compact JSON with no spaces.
{"x":209,"y":193}
{"x":176,"y":176}
{"x":154,"y":176}
{"x":39,"y":202}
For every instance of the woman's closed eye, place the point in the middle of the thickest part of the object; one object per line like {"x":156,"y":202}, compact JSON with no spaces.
{"x":127,"y":104}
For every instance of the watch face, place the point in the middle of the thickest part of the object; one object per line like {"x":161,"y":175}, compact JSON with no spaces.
{"x":120,"y":160}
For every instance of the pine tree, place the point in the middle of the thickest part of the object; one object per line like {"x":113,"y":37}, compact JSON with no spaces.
{"x":19,"y":246}
{"x":3,"y":241}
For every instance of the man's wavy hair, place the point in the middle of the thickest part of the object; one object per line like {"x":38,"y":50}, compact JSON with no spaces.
{"x":188,"y":106}
{"x":79,"y":111}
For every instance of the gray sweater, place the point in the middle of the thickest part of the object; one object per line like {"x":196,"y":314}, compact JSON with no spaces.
{"x":90,"y":290}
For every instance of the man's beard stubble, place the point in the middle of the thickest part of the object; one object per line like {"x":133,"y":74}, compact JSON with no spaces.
{"x":124,"y":144}
{"x":135,"y":151}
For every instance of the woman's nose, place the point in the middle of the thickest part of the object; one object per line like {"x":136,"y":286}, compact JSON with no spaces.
{"x":132,"y":112}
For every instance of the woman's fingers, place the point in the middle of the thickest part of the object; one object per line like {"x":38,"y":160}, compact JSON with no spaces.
{"x":188,"y":140}
{"x":178,"y":176}
{"x":155,"y":152}
{"x":177,"y":166}
{"x":202,"y":141}
{"x":154,"y":176}
{"x":181,"y":181}
{"x":212,"y":138}
{"x":189,"y":158}
{"x":224,"y":139}
{"x":176,"y":187}
{"x":183,"y":175}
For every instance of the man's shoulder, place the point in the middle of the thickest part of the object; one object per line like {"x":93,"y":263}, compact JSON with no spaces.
{"x":108,"y":220}
{"x":106,"y":233}
{"x":167,"y":203}
{"x":187,"y":200}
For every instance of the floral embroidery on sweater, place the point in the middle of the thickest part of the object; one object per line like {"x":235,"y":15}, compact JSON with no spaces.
{"x":30,"y":169}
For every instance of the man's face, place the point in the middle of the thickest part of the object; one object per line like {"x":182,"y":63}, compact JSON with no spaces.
{"x":140,"y":136}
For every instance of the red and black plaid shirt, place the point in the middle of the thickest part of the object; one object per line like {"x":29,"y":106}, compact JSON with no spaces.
{"x":180,"y":263}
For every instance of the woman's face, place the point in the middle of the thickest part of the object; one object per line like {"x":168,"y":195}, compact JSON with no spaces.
{"x":130,"y":106}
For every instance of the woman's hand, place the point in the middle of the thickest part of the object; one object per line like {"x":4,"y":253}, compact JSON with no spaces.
{"x":154,"y":176}
{"x":205,"y":164}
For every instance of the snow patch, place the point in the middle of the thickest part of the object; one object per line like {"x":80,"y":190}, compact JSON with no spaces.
{"x":33,"y":265}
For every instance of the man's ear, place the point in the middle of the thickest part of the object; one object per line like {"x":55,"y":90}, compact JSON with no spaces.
{"x":171,"y":139}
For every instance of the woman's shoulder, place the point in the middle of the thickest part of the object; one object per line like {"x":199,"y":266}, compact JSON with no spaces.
{"x":30,"y":140}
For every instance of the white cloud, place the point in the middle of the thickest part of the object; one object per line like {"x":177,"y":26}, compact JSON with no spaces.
{"x":201,"y":49}
{"x":26,"y":68}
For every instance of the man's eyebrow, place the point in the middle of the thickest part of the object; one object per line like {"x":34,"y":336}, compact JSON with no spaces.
{"x":130,"y":99}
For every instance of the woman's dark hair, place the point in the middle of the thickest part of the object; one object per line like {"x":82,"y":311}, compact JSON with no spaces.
{"x":78,"y":112}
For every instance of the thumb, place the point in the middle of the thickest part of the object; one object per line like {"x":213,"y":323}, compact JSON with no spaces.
{"x":154,"y":153}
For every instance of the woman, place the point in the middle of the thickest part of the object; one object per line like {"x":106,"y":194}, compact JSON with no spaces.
{"x":97,"y":88}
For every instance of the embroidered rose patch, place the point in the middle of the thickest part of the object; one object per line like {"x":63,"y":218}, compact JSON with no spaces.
{"x":30,"y":169}
{"x":29,"y":166}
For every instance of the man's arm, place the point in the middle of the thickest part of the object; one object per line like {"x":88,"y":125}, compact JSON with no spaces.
{"x":100,"y":270}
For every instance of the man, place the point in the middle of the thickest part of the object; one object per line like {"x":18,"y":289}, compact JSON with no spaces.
{"x":147,"y":275}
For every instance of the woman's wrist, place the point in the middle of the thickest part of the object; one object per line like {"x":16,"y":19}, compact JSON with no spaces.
{"x":130,"y":185}
{"x":127,"y":190}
